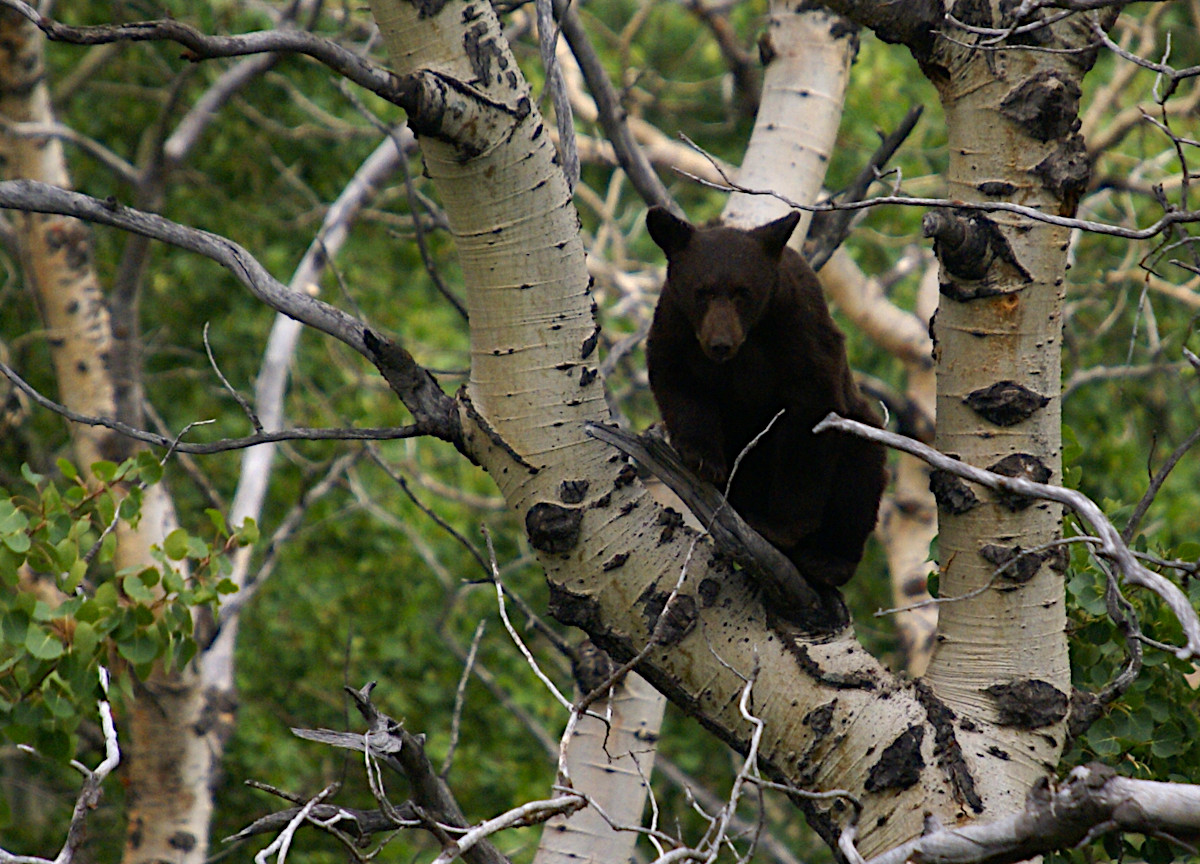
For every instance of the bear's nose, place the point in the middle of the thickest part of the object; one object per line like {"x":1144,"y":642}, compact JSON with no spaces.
{"x":720,"y":351}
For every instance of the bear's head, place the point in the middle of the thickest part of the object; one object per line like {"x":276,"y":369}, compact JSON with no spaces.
{"x":721,"y":278}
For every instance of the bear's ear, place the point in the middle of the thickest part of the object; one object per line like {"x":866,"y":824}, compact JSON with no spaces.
{"x":774,"y":235}
{"x":667,"y":230}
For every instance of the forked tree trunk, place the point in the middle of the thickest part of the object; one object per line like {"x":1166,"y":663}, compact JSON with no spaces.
{"x":610,"y":560}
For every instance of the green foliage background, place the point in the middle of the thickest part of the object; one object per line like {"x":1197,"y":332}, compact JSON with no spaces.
{"x":370,"y":588}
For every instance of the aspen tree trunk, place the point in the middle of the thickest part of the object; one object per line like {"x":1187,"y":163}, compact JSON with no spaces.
{"x":169,"y":764}
{"x":1002,"y":655}
{"x":807,"y":52}
{"x":611,"y":761}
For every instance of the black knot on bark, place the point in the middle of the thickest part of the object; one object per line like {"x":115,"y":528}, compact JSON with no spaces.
{"x":1028,"y":704}
{"x":952,"y":493}
{"x":1014,"y":564}
{"x":553,"y":528}
{"x":1044,"y":106}
{"x":1005,"y":403}
{"x":962,"y":242}
{"x":1023,"y":466}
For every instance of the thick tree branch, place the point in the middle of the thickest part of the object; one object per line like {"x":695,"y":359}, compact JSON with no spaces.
{"x":1109,"y":539}
{"x":438,"y":106}
{"x":201,"y":46}
{"x":911,"y":23}
{"x":729,"y":530}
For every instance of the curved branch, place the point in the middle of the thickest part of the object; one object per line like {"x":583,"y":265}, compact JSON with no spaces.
{"x":31,"y":196}
{"x":201,"y":46}
{"x":1110,"y":545}
{"x":433,"y":410}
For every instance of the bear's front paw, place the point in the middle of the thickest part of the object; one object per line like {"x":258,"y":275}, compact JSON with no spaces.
{"x":705,"y":463}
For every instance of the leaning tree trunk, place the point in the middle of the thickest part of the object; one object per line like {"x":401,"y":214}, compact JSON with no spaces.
{"x":168,"y":781}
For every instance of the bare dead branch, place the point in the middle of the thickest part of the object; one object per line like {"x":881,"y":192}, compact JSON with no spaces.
{"x":1093,"y":800}
{"x":390,"y":743}
{"x":460,"y":698}
{"x":1172,"y":217}
{"x":120,"y":168}
{"x":31,"y":196}
{"x":225,"y":445}
{"x":434,"y":411}
{"x":729,"y":530}
{"x":1172,"y":75}
{"x":1156,"y":482}
{"x":1110,"y":545}
{"x":548,"y":33}
{"x":825,"y":235}
{"x":742,"y":66}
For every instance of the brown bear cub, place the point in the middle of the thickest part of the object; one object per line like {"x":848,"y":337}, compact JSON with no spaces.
{"x":742,"y":331}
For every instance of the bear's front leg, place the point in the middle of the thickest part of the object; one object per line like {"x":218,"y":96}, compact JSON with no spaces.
{"x":697,"y":438}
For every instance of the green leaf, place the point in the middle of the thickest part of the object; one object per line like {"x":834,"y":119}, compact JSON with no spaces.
{"x":176,"y":545}
{"x":1168,"y":742}
{"x":42,"y":645}
{"x":31,"y":477}
{"x":85,"y":639}
{"x":104,"y":471}
{"x":149,"y":467}
{"x":58,"y":697}
{"x":67,"y":469}
{"x":218,"y":520}
{"x":136,"y":589}
{"x":12,"y":520}
{"x":198,"y":549}
{"x":18,"y":543}
{"x":139,"y":648}
{"x":14,"y":627}
{"x":10,"y":566}
{"x":73,"y":577}
{"x":247,"y":534}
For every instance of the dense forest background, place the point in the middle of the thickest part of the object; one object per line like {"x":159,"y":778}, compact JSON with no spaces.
{"x":365,"y":582}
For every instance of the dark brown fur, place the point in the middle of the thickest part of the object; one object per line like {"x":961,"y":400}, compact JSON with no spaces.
{"x":741,"y":331}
